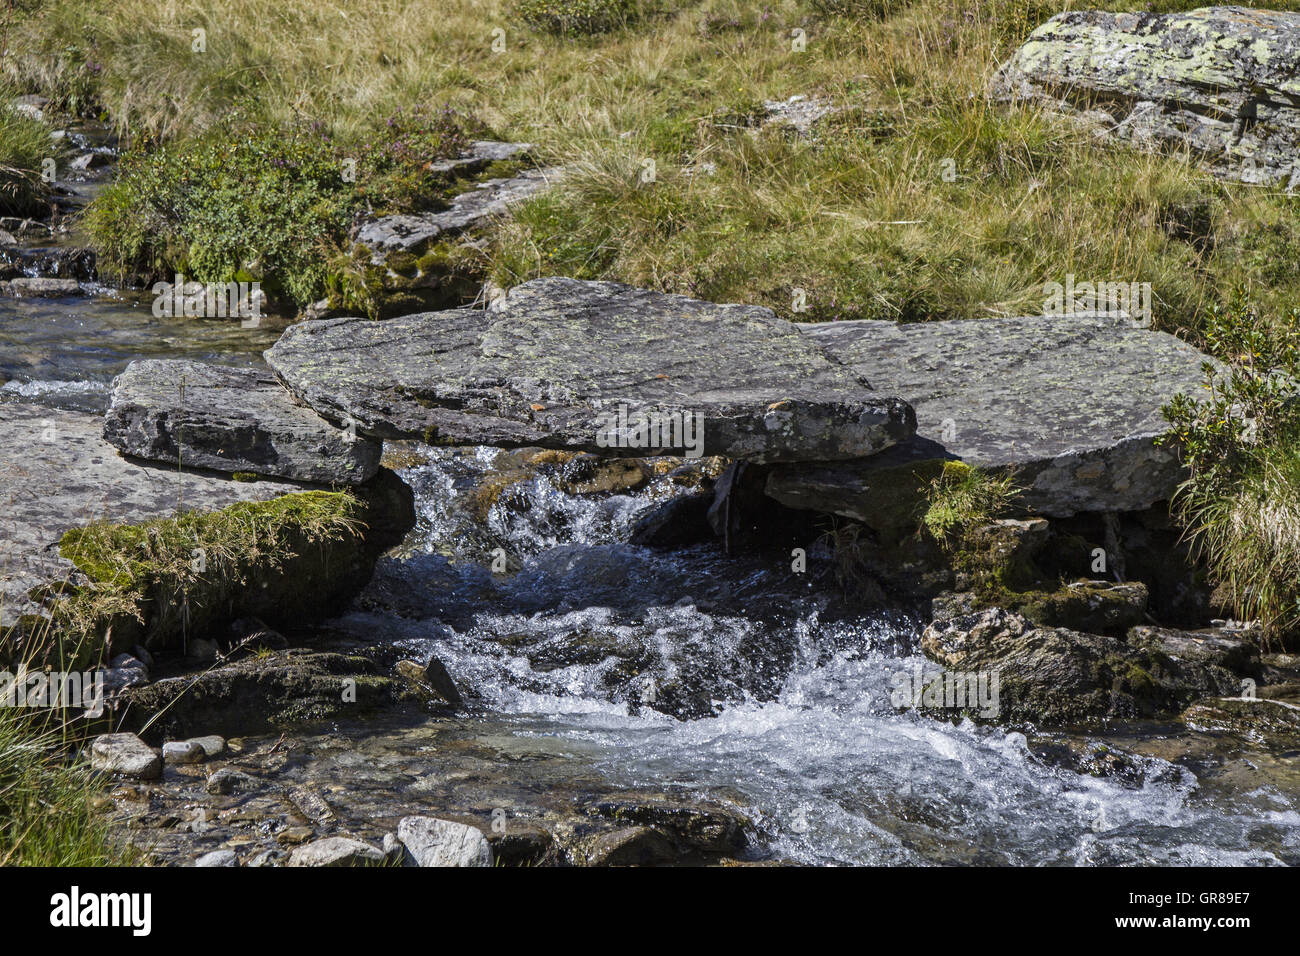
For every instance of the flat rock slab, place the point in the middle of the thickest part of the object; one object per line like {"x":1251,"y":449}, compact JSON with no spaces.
{"x":575,"y":365}
{"x":1070,"y":403}
{"x":412,"y":232}
{"x":57,"y":472}
{"x":1223,"y":82}
{"x":230,"y":420}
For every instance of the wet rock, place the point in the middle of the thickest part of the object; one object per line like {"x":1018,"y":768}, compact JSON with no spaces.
{"x":182,"y":752}
{"x":230,"y":420}
{"x":1218,"y":81}
{"x":218,"y":858}
{"x":1097,"y":607}
{"x":1272,"y":722}
{"x":680,"y":521}
{"x":281,"y":690}
{"x":336,"y":851}
{"x":308,"y":802}
{"x":40,"y":288}
{"x":226,"y":781}
{"x":1218,"y":646}
{"x":630,"y":846}
{"x":706,"y":827}
{"x":1071,"y":403}
{"x":567,"y":364}
{"x":432,"y":677}
{"x":126,"y":755}
{"x":523,"y":843}
{"x":1060,"y":677}
{"x":434,"y":842}
{"x":294,"y":836}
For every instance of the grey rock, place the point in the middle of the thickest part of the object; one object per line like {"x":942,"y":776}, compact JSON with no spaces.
{"x":432,"y":676}
{"x":413,"y":232}
{"x":1059,"y":677}
{"x":218,"y":858}
{"x":124,"y":671}
{"x":1220,"y":81}
{"x":126,"y":755}
{"x":230,"y":420}
{"x":212,"y":745}
{"x":1219,"y":646}
{"x":560,"y":359}
{"x":434,"y":842}
{"x":41,"y":288}
{"x":1071,"y":403}
{"x":336,"y":851}
{"x":226,"y":781}
{"x":56,"y":472}
{"x":183,"y":751}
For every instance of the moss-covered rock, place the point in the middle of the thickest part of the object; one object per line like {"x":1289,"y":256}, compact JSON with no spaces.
{"x":293,"y":559}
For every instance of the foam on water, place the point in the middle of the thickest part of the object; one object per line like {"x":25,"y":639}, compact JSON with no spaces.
{"x":827,"y":767}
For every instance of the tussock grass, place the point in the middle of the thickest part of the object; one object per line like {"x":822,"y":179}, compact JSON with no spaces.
{"x":46,"y":815}
{"x":963,"y":497}
{"x":24,"y":144}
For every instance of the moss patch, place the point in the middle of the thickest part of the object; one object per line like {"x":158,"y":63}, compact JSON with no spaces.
{"x":166,"y":579}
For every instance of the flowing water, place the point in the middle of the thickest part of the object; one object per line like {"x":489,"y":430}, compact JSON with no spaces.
{"x":591,"y":665}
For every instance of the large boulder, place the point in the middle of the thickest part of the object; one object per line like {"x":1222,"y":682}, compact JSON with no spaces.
{"x":56,"y":471}
{"x":1070,"y":403}
{"x":151,"y":554}
{"x":1222,"y":82}
{"x":230,"y":420}
{"x":578,"y":365}
{"x":1057,"y":676}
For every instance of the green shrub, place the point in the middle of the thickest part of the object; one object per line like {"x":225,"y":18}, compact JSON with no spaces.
{"x":1241,"y":444}
{"x":264,"y":203}
{"x":575,"y":17}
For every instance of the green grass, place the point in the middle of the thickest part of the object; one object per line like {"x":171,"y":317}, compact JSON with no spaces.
{"x":46,"y":816}
{"x":963,"y":497}
{"x":25,"y":144}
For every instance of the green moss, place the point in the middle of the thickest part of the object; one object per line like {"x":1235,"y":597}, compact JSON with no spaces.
{"x":162,"y":579}
{"x":248,"y":476}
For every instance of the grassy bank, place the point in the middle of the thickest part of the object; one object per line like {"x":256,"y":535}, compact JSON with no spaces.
{"x":24,"y":146}
{"x":918,"y":200}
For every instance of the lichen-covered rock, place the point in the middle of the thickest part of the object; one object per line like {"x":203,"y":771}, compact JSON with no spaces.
{"x":336,"y":851}
{"x":575,"y":365}
{"x":434,"y":842}
{"x":413,"y":232}
{"x":1070,"y":403}
{"x":1223,"y":82}
{"x":232,"y":420}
